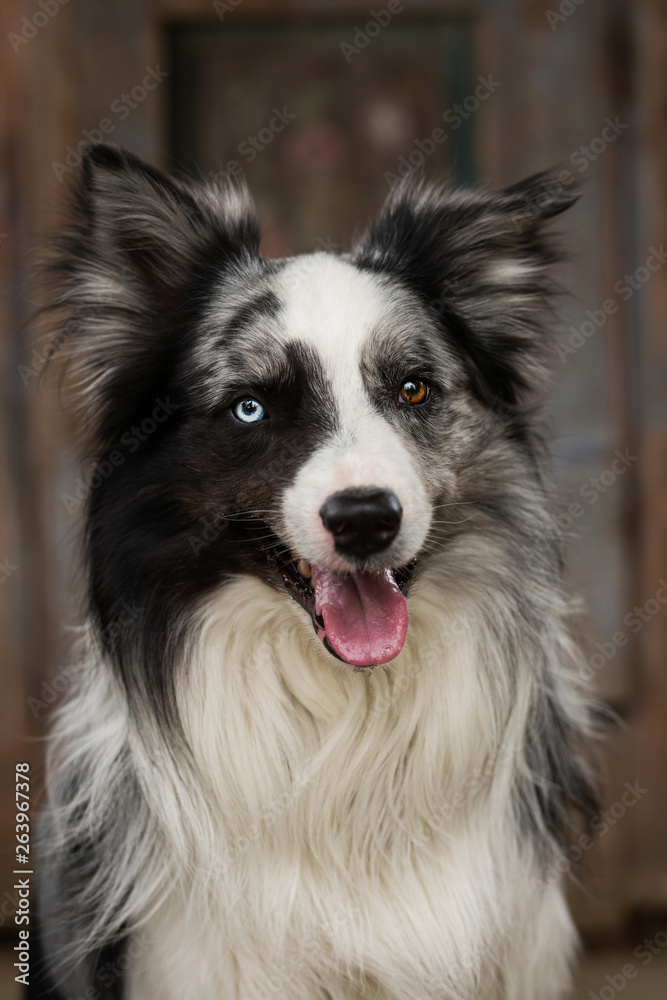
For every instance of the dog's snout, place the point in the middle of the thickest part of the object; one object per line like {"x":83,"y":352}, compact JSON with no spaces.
{"x":362,"y":521}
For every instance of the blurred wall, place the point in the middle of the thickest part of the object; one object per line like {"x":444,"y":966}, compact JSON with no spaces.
{"x":581,"y":83}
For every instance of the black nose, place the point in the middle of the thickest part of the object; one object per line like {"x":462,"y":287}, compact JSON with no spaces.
{"x":362,"y":521}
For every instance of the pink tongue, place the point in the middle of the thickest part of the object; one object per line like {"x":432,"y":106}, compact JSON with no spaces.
{"x":365,"y":614}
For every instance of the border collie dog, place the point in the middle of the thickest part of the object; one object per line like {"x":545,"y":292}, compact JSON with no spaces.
{"x":326,"y":740}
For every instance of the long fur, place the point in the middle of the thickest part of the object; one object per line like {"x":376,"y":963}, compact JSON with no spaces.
{"x":250,"y":816}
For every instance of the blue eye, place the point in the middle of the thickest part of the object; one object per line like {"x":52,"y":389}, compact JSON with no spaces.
{"x":249,"y":411}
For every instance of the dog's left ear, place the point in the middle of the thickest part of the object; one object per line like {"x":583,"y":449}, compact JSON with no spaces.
{"x":481,"y":261}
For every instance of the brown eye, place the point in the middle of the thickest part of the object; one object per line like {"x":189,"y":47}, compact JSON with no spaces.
{"x":413,"y":391}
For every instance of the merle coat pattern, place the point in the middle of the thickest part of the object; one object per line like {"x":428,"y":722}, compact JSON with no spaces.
{"x":231,"y":804}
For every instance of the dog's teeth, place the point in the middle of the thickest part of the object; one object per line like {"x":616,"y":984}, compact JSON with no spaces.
{"x":304,"y":568}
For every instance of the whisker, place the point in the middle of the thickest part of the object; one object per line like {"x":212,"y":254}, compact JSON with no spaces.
{"x":462,"y":521}
{"x":244,"y":541}
{"x":454,"y":503}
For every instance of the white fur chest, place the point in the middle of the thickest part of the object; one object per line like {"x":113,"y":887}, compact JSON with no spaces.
{"x":352,"y":836}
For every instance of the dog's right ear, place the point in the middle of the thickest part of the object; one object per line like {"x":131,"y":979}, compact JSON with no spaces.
{"x":138,"y":253}
{"x":153,"y":227}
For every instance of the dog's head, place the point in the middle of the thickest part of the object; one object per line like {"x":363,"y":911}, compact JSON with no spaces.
{"x":319,"y":422}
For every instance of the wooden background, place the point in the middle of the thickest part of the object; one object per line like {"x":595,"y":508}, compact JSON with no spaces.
{"x":558,"y":85}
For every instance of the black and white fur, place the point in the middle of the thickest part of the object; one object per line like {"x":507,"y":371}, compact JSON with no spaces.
{"x":248,"y":815}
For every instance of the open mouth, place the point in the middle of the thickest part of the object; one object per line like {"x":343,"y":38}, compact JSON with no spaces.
{"x":361,"y":618}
